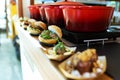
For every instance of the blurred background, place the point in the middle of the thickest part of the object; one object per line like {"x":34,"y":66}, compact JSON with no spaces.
{"x":10,"y":66}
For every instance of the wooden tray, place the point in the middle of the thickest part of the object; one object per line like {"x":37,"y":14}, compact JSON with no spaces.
{"x":98,"y":77}
{"x":58,"y":57}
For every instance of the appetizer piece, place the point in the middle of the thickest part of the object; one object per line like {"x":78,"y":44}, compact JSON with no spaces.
{"x":85,"y":65}
{"x":36,"y":28}
{"x":22,"y":19}
{"x":51,"y":36}
{"x":60,"y":52}
{"x":28,"y":22}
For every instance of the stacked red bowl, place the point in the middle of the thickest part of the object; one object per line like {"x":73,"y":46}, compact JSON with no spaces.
{"x":54,"y":14}
{"x":34,"y":11}
{"x":42,"y":13}
{"x":73,"y":16}
{"x":87,"y":18}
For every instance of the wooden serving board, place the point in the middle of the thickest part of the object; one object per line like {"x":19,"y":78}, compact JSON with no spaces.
{"x":101,"y":76}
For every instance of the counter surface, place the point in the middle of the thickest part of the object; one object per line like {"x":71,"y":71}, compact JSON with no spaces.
{"x":40,"y":67}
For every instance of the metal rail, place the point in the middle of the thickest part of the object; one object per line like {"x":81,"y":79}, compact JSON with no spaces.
{"x":94,"y":40}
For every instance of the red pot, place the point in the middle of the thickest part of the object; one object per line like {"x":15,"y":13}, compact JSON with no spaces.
{"x":87,"y":18}
{"x":42,"y":13}
{"x":34,"y":11}
{"x":54,"y":14}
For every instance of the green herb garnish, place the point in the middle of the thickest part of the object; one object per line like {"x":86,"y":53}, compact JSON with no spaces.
{"x":59,"y":48}
{"x":46,"y":34}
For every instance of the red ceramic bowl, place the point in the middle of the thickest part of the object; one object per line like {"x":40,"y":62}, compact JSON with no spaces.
{"x":34,"y":11}
{"x":54,"y":14}
{"x":42,"y":13}
{"x":87,"y":18}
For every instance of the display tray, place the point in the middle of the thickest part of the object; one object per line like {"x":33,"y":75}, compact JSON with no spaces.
{"x":62,"y":67}
{"x":78,"y":38}
{"x":58,"y":57}
{"x":101,"y":77}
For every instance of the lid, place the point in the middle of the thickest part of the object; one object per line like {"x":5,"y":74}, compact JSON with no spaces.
{"x":35,"y":5}
{"x":87,"y":7}
{"x":68,"y":3}
{"x":62,"y":3}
